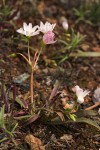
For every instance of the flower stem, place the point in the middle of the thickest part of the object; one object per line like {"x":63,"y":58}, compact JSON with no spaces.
{"x":32,"y":89}
{"x":37,"y":58}
{"x":29,"y":51}
{"x":25,"y":58}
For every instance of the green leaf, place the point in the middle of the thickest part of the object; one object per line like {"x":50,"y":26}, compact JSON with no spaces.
{"x":2,"y":117}
{"x":63,"y":59}
{"x":86,"y":113}
{"x":88,"y":121}
{"x":22,"y":117}
{"x":63,"y":42}
{"x":13,"y":55}
{"x":21,"y":102}
{"x":85,"y":54}
{"x":2,"y":140}
{"x":14,"y":128}
{"x":73,"y":117}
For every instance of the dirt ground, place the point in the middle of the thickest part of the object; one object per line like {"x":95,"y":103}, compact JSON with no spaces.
{"x":82,"y":71}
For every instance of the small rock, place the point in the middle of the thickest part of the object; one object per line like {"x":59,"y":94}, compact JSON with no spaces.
{"x":34,"y":142}
{"x":67,"y":138}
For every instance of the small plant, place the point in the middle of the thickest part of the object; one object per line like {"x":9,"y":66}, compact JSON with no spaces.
{"x":48,"y":38}
{"x":71,"y":43}
{"x":88,"y":12}
{"x":72,"y":109}
{"x":5,"y":11}
{"x":94,"y":15}
{"x":6,"y":125}
{"x":81,"y":14}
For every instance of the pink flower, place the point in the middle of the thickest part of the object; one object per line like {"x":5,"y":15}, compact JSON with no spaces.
{"x":48,"y":37}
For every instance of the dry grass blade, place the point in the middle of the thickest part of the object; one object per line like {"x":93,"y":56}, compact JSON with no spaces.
{"x":88,"y":121}
{"x":61,"y":116}
{"x":85,"y":54}
{"x":54,"y":91}
{"x":31,"y":119}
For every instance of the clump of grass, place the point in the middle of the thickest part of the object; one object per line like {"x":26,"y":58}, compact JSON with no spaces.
{"x":94,"y":15}
{"x":88,"y":12}
{"x":70,"y":44}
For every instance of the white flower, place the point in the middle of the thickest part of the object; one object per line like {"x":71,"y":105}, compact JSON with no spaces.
{"x":65,"y":25}
{"x":28,"y":30}
{"x":80,"y":93}
{"x":44,"y":28}
{"x":99,"y":111}
{"x":96,"y":96}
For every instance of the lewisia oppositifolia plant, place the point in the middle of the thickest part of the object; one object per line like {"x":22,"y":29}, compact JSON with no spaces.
{"x":48,"y":38}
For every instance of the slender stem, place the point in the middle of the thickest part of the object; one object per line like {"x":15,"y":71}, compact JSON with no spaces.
{"x":31,"y":88}
{"x":29,"y":51}
{"x":24,"y":58}
{"x":37,"y":58}
{"x":31,"y":80}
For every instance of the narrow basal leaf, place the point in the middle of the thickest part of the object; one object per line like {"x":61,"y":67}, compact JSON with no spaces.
{"x":22,"y":117}
{"x":22,"y":102}
{"x":61,"y":116}
{"x":85,"y":54}
{"x":73,"y":117}
{"x":31,"y":119}
{"x":2,"y":140}
{"x":54,"y":91}
{"x":88,"y":121}
{"x":86,"y":113}
{"x":2,"y":117}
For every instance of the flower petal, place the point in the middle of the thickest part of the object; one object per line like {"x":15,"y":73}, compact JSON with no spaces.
{"x":48,"y":38}
{"x":30,"y":26}
{"x":20,"y":31}
{"x":44,"y":28}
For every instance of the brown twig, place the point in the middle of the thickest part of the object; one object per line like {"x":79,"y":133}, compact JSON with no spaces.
{"x":93,"y":106}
